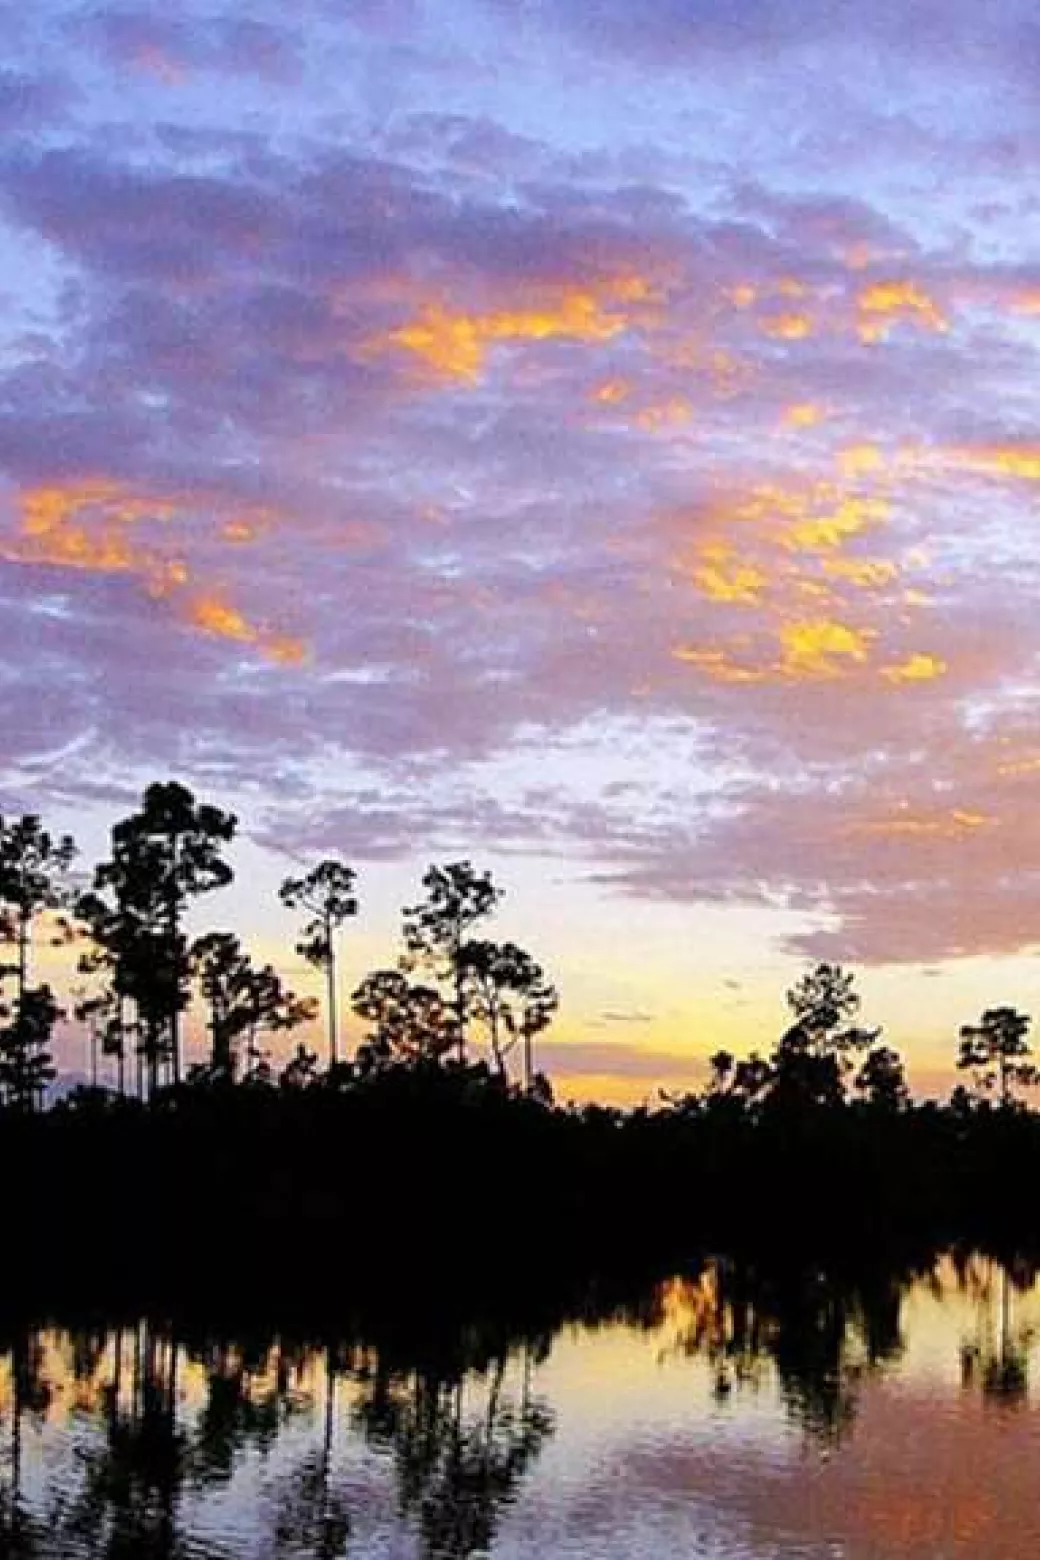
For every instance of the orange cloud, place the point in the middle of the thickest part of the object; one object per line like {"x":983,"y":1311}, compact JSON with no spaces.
{"x":667,"y":414}
{"x":917,"y":667}
{"x":803,"y":414}
{"x":953,"y":824}
{"x":718,"y":665}
{"x":881,"y":305}
{"x":220,"y":620}
{"x":788,"y":327}
{"x":611,"y":392}
{"x":88,"y":524}
{"x":810,"y":650}
{"x":857,"y":460}
{"x":1002,"y":460}
{"x":85,"y":525}
{"x":721,"y":576}
{"x":837,"y":518}
{"x":819,"y":647}
{"x":455,"y":344}
{"x":867,"y":573}
{"x":814,"y":516}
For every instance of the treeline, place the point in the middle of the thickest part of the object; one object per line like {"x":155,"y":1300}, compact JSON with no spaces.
{"x":139,"y":971}
{"x":436,"y":1146}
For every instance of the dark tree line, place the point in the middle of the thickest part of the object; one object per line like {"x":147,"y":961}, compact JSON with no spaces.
{"x":433,"y":1102}
{"x":141,"y":971}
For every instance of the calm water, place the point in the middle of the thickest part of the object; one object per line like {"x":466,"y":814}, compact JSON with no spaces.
{"x":723,"y":1417}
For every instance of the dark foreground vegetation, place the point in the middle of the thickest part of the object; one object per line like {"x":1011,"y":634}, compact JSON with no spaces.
{"x":433,"y":1153}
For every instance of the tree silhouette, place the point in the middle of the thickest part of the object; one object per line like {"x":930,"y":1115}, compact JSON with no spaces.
{"x":163,"y":856}
{"x":510,"y":994}
{"x":301,"y":1070}
{"x":437,"y":928}
{"x":33,"y":868}
{"x":105,"y":1014}
{"x":409,"y":1023}
{"x":26,"y":1066}
{"x":326,"y":894}
{"x":130,"y":1006}
{"x":881,"y":1080}
{"x":996,"y":1052}
{"x":815,"y":1055}
{"x":737,"y":1086}
{"x":243,"y":1001}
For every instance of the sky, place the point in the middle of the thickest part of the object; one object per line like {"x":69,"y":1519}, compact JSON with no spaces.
{"x":597,"y":441}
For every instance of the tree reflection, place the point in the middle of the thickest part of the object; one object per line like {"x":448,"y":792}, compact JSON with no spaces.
{"x":157,"y":1419}
{"x":460,"y":1446}
{"x":129,"y":1501}
{"x":313,"y":1517}
{"x":30,"y":1395}
{"x":820,"y":1334}
{"x":996,"y":1359}
{"x":249,"y":1396}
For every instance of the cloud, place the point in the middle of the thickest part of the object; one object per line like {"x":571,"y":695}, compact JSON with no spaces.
{"x":172,"y":49}
{"x":586,"y":1058}
{"x":395,"y":452}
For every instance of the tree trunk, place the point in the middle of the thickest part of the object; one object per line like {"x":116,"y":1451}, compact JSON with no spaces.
{"x":331,"y":973}
{"x":24,"y":921}
{"x":460,"y":999}
{"x":173,"y":930}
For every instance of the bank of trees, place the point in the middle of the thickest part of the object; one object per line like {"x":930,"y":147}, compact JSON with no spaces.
{"x":412,"y":1121}
{"x":454,"y":998}
{"x":142,"y":975}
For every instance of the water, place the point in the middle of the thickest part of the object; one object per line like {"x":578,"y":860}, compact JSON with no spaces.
{"x":726,"y":1415}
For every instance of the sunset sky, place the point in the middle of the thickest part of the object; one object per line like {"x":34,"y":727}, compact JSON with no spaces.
{"x":597,"y":439}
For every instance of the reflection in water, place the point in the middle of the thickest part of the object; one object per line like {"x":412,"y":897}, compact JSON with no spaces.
{"x":820,"y":1336}
{"x":144,"y":1441}
{"x":996,"y":1357}
{"x":457,"y":1460}
{"x":133,"y":1475}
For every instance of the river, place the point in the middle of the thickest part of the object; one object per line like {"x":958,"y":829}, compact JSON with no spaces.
{"x":727,"y":1414}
